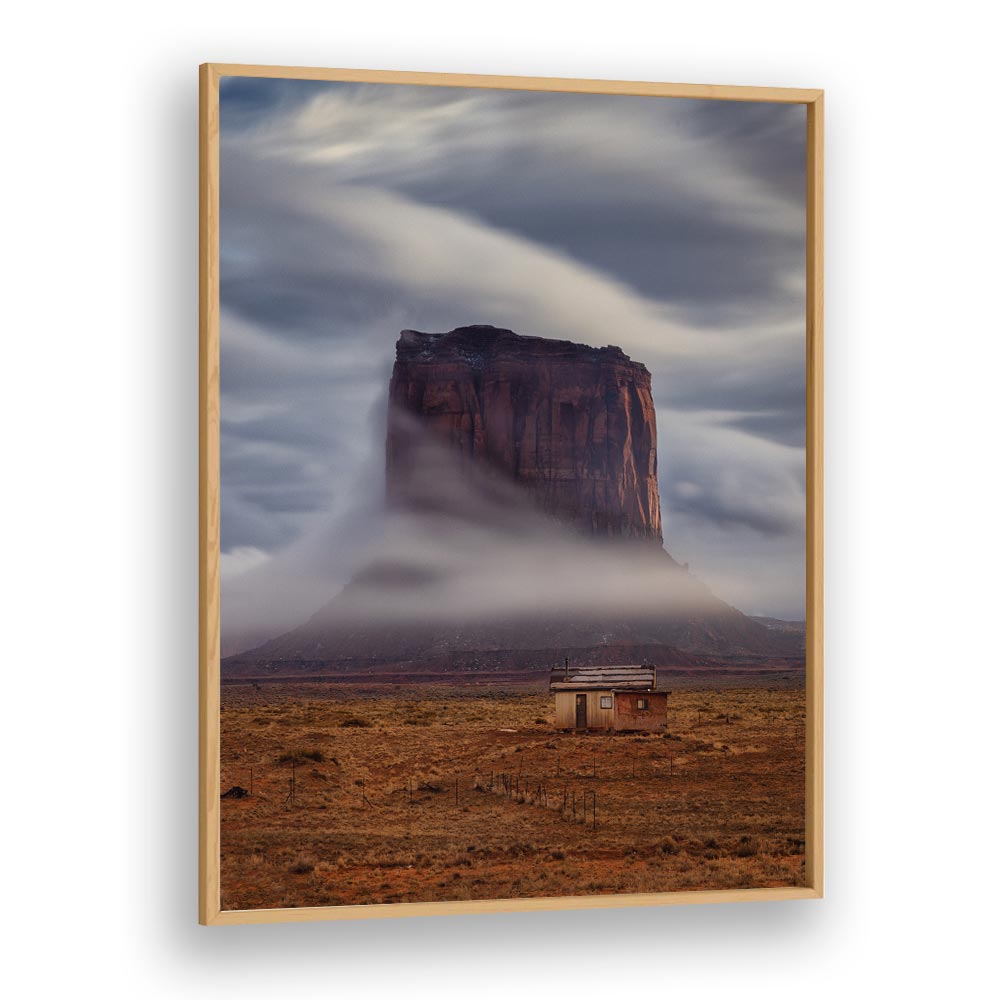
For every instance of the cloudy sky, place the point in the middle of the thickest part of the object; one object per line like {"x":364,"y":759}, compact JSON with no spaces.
{"x":672,"y":228}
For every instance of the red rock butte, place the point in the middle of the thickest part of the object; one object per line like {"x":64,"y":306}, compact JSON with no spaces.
{"x":574,"y":428}
{"x":573,"y":424}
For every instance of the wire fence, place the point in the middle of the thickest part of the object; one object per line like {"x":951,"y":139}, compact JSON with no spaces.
{"x":570,"y":792}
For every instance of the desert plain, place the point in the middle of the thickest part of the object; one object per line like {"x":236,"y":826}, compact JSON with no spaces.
{"x":360,"y":794}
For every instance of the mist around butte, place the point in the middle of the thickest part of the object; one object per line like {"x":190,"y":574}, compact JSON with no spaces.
{"x":511,"y":501}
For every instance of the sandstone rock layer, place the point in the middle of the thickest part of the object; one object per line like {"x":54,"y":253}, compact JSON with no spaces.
{"x":573,"y":425}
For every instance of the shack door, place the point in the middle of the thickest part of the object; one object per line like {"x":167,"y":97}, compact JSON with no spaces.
{"x":581,"y":711}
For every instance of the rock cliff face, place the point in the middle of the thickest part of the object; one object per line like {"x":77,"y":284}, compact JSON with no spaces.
{"x":485,"y":428}
{"x":573,"y":425}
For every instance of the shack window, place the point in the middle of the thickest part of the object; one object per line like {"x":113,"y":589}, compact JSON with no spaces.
{"x":606,"y":701}
{"x":642,"y":704}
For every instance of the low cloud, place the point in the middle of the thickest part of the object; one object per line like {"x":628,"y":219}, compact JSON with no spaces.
{"x":456,"y":545}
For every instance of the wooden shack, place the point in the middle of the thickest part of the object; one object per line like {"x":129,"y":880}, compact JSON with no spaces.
{"x":618,"y":699}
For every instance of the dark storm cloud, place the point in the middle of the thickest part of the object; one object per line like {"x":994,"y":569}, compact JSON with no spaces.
{"x":766,"y":399}
{"x":246,"y":99}
{"x":714,"y":508}
{"x":707,"y":268}
{"x":634,"y":223}
{"x":786,"y":427}
{"x":672,"y":228}
{"x":307,"y":304}
{"x":608,"y":180}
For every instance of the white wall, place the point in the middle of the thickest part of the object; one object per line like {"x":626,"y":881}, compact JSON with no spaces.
{"x":99,"y":397}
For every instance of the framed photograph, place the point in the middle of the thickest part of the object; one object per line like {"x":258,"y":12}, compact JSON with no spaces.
{"x":511,"y":494}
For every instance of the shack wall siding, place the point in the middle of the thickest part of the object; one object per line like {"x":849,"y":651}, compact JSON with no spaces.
{"x":565,"y":710}
{"x":624,"y":716}
{"x":597,"y":717}
{"x":628,"y":716}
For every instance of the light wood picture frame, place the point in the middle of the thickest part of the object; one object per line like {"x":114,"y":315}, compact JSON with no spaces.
{"x":211,"y":911}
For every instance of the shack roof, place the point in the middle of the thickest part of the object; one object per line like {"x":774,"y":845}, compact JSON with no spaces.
{"x":624,"y":677}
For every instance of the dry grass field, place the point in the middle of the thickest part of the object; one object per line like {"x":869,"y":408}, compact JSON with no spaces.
{"x":416,"y":794}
